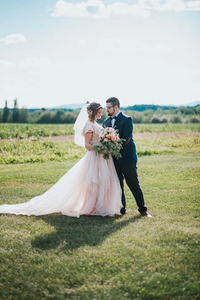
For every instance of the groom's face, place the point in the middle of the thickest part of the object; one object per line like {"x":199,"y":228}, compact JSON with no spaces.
{"x":111,"y":110}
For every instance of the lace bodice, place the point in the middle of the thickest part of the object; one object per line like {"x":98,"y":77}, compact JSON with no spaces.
{"x":95,"y":128}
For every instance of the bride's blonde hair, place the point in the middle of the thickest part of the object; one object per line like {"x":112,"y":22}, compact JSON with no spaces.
{"x":92,"y":110}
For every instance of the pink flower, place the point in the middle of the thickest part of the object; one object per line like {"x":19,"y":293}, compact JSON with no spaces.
{"x":113,"y":138}
{"x":105,"y":140}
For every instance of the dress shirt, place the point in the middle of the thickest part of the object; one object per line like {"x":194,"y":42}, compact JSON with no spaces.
{"x":114,"y":119}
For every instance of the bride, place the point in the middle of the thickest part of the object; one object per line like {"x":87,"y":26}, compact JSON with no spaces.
{"x":90,"y":187}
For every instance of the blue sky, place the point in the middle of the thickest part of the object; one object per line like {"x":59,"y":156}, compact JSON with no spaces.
{"x":62,"y":52}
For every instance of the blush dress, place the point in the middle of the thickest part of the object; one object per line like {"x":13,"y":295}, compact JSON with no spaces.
{"x":90,"y":187}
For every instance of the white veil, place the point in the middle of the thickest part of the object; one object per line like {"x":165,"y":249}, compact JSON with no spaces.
{"x":78,"y":126}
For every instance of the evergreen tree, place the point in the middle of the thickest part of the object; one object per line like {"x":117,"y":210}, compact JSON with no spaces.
{"x":1,"y":116}
{"x":15,"y":115}
{"x":5,"y":112}
{"x":23,"y":115}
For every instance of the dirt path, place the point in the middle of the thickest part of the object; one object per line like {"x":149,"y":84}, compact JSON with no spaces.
{"x":136,"y":135}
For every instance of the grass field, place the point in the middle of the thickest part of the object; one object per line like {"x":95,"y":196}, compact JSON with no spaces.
{"x":23,"y":131}
{"x":14,"y":151}
{"x":129,"y":257}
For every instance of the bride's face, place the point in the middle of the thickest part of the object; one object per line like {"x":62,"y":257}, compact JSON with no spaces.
{"x":99,"y":114}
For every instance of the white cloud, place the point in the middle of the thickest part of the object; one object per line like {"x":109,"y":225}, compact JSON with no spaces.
{"x":13,"y":39}
{"x":162,"y":48}
{"x":29,"y":63}
{"x":193,"y":71}
{"x":125,"y":45}
{"x":116,"y":44}
{"x":97,"y":9}
{"x":81,"y":43}
{"x":175,"y":5}
{"x":8,"y":64}
{"x":35,"y":62}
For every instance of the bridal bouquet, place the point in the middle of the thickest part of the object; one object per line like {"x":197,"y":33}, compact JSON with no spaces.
{"x":109,"y":142}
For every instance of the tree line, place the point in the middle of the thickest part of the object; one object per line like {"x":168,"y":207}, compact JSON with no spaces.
{"x":139,"y":113}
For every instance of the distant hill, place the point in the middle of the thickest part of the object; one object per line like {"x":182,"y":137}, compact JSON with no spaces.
{"x":192,"y":104}
{"x":69,"y":106}
{"x":136,"y":107}
{"x":154,"y":107}
{"x":143,"y":107}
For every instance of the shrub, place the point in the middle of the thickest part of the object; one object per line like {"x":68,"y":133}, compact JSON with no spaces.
{"x":195,"y":120}
{"x":176,"y":119}
{"x":164,"y":119}
{"x":155,"y":119}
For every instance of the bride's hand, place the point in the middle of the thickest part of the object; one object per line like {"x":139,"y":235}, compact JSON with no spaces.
{"x":105,"y":152}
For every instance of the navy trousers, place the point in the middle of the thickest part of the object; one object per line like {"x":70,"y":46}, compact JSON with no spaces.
{"x":129,"y":173}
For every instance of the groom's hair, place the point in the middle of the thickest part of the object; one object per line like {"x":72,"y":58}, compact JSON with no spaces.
{"x":114,"y":101}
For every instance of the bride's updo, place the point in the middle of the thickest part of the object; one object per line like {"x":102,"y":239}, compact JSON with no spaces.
{"x":92,"y":110}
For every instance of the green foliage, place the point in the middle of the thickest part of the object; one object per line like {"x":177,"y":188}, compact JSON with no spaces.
{"x":144,"y":107}
{"x":139,"y":113}
{"x":46,"y":117}
{"x":155,"y":119}
{"x":195,"y":120}
{"x":23,"y":116}
{"x":42,"y":116}
{"x":159,"y":114}
{"x":186,"y":110}
{"x":137,"y":117}
{"x":23,"y":131}
{"x":176,"y":119}
{"x":5,"y":112}
{"x":55,"y":117}
{"x":15,"y":112}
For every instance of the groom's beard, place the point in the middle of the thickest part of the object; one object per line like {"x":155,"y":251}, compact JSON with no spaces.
{"x":112,"y":114}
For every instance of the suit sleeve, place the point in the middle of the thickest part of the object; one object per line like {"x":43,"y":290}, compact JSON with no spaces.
{"x":128,"y":129}
{"x":104,"y":123}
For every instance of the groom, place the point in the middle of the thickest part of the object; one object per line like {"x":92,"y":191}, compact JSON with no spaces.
{"x":126,"y":166}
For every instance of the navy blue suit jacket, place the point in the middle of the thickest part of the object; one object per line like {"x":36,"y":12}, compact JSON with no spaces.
{"x":124,"y":124}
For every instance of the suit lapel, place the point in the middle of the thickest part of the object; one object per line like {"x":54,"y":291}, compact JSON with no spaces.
{"x":118,"y":120}
{"x":107,"y":123}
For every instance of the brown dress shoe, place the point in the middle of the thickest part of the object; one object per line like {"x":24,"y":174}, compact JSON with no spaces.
{"x":146,"y":214}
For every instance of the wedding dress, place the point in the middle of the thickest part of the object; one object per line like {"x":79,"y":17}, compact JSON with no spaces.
{"x":90,"y":187}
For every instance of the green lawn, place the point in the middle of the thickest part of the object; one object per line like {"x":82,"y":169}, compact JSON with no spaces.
{"x":129,"y":257}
